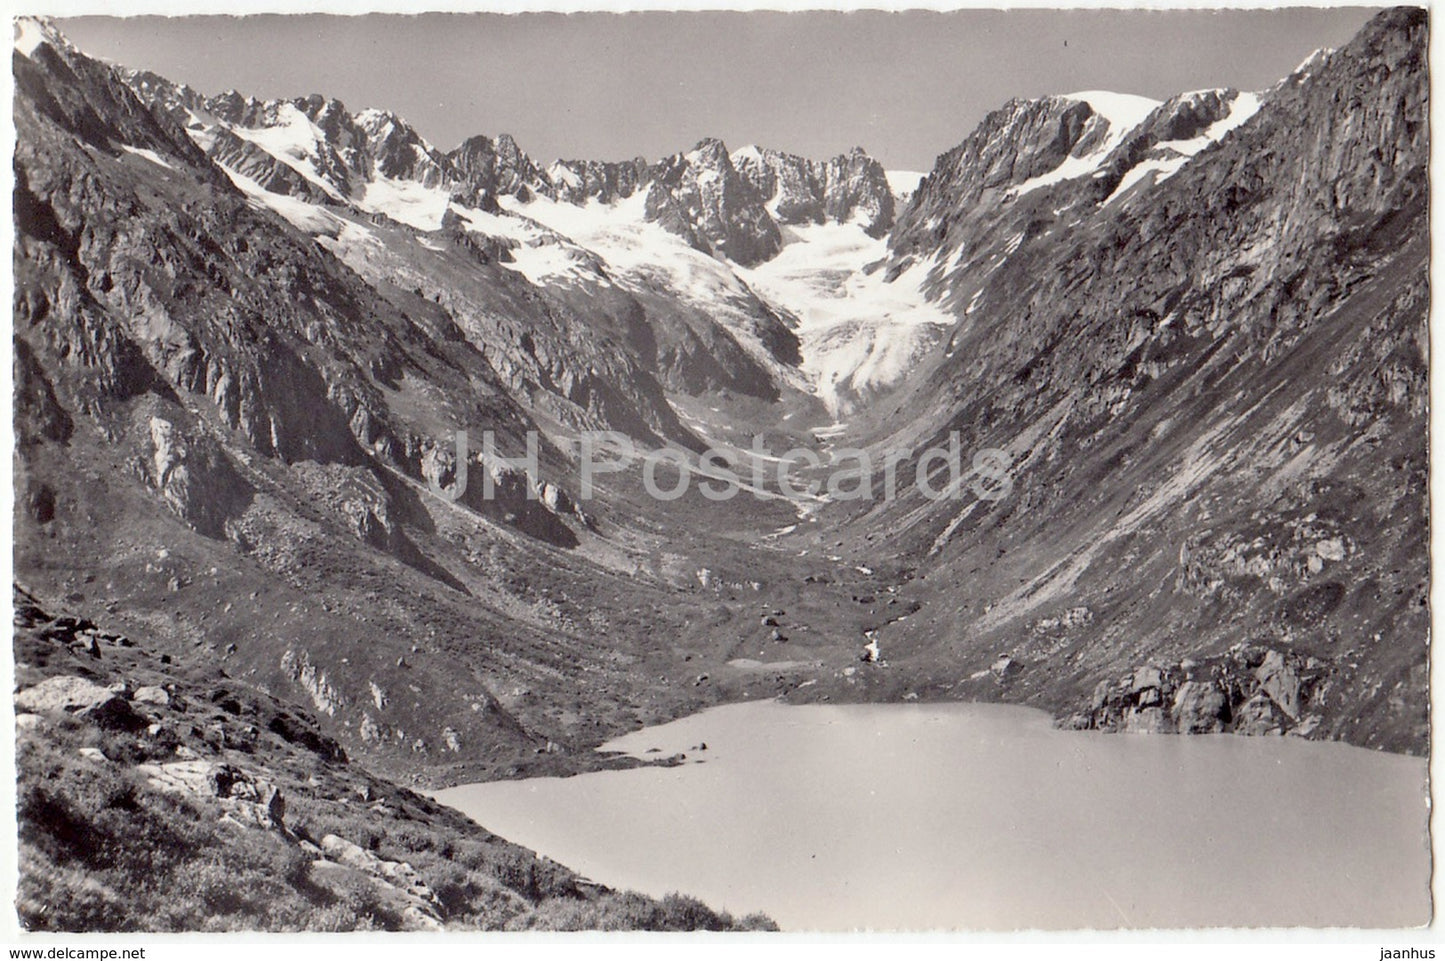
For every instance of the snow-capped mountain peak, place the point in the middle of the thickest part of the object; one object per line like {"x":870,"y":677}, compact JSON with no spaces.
{"x":31,"y":33}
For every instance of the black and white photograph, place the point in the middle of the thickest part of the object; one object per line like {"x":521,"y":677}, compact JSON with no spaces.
{"x":743,"y":472}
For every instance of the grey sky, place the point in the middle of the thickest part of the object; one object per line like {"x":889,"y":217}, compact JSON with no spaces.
{"x":610,"y":86}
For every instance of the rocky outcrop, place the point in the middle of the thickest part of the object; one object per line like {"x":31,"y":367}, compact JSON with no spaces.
{"x":850,"y":187}
{"x":398,"y":882}
{"x":1166,"y":138}
{"x":244,"y":799}
{"x":1250,"y":690}
{"x":1200,"y":708}
{"x":578,"y":181}
{"x":398,"y":151}
{"x":1020,"y":140}
{"x":194,"y":476}
{"x":485,"y":169}
{"x":314,"y":681}
{"x":75,"y":695}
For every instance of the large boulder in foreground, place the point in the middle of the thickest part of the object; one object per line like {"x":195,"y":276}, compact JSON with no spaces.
{"x":76,"y":695}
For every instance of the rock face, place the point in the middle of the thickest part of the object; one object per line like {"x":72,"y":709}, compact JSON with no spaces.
{"x":700,"y":196}
{"x":849,"y":187}
{"x":1200,"y":708}
{"x":195,"y":478}
{"x":1020,"y":140}
{"x":578,"y":181}
{"x":228,"y":328}
{"x":489,"y":169}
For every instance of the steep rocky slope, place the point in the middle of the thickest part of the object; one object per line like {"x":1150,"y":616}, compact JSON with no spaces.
{"x":372,"y":164}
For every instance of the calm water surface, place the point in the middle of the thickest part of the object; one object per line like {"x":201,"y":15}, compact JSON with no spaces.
{"x":985,"y":816}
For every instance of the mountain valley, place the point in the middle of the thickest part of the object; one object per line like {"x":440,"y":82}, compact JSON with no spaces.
{"x":1186,"y":340}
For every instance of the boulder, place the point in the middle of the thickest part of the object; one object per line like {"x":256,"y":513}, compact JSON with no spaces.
{"x":1146,"y":720}
{"x":271,"y":802}
{"x":1199,"y":708}
{"x":64,"y":693}
{"x":1258,"y":716}
{"x":1280,"y":681}
{"x":76,"y":695}
{"x":191,"y":776}
{"x":1145,"y":678}
{"x":152,"y":695}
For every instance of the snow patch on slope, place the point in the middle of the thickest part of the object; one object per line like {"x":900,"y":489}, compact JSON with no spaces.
{"x":640,"y":254}
{"x":30,"y":35}
{"x":148,"y":154}
{"x":294,"y":141}
{"x":406,"y":201}
{"x":301,"y":215}
{"x":539,"y":253}
{"x":1122,"y":111}
{"x":858,"y":333}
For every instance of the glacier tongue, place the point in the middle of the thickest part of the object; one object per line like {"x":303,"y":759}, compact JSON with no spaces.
{"x":860,"y":334}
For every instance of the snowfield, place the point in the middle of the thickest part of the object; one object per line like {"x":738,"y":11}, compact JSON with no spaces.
{"x":1159,"y":169}
{"x":1123,"y":111}
{"x":858,"y":333}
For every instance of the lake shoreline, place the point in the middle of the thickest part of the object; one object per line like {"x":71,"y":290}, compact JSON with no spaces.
{"x":975,"y":793}
{"x":590,"y":757}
